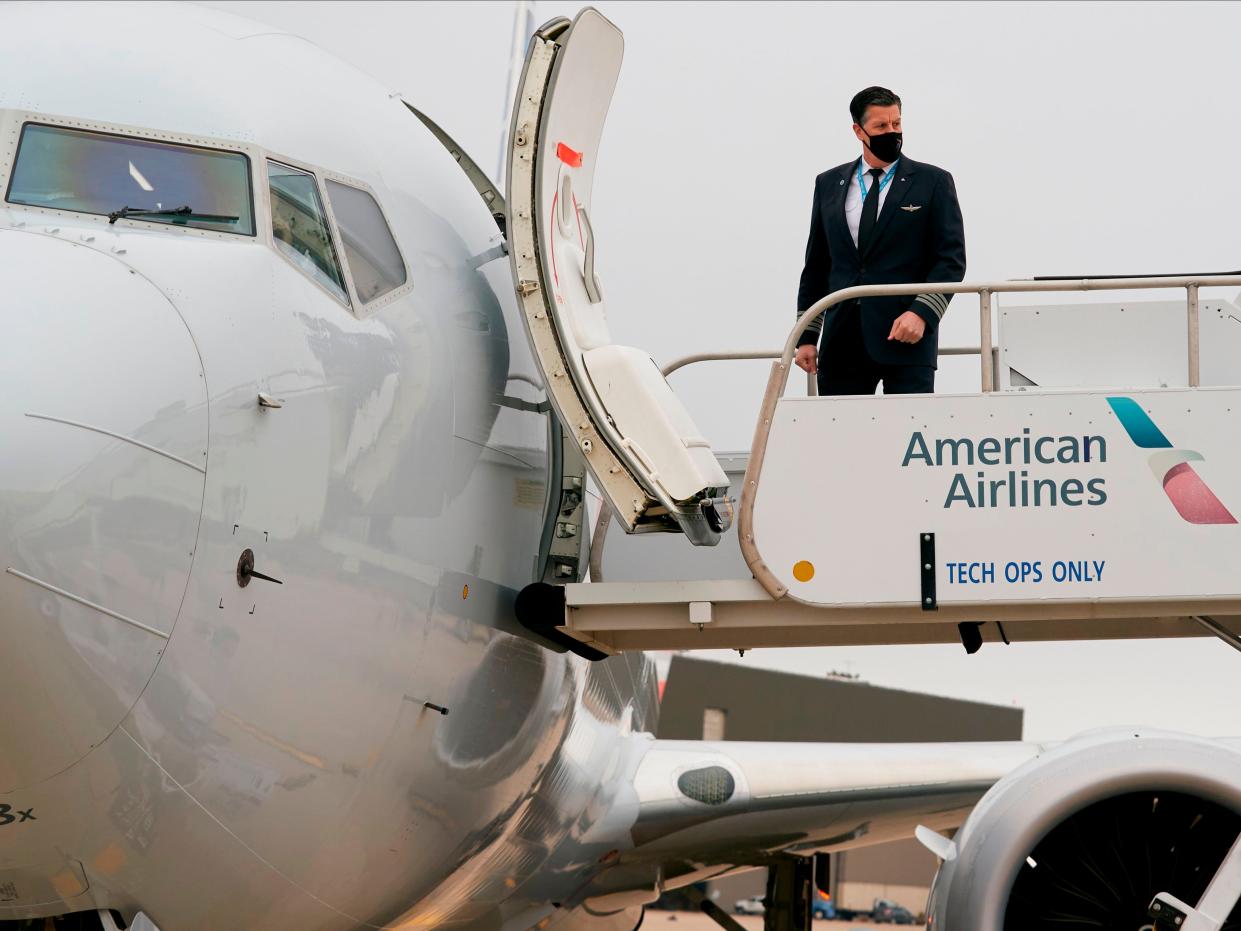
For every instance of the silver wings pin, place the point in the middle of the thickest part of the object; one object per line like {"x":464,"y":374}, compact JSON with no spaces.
{"x":912,"y":207}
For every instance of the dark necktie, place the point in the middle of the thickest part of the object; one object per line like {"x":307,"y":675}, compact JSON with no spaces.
{"x":870,"y":210}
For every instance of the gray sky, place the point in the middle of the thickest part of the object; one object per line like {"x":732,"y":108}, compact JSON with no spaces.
{"x":1084,"y":138}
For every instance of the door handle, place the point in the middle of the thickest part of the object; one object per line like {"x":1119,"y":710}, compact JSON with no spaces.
{"x":588,"y":272}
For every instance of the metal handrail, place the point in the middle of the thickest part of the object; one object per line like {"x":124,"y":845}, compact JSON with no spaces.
{"x":742,"y":355}
{"x":778,"y":380}
{"x":603,"y":520}
{"x":727,"y":356}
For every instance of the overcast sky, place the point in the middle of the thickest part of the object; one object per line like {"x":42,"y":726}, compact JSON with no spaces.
{"x":1084,"y":138}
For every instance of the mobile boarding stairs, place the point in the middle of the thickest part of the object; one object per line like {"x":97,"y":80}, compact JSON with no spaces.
{"x":1023,"y":512}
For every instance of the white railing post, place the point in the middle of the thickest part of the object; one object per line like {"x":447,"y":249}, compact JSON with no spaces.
{"x":1191,"y":307}
{"x":984,"y":329}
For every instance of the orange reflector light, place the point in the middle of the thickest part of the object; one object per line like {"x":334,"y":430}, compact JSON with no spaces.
{"x":568,"y":156}
{"x":803,"y":571}
{"x":465,"y":592}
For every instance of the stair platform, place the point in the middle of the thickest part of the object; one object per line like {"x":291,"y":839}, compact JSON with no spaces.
{"x":739,"y":614}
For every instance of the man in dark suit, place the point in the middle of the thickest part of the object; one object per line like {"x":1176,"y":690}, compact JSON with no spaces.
{"x":880,"y":219}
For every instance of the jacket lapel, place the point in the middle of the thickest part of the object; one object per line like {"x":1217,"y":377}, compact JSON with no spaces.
{"x":839,"y":208}
{"x":898,"y":191}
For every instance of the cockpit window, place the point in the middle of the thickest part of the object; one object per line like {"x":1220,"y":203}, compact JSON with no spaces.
{"x":300,"y":228}
{"x":97,"y":173}
{"x":370,"y":250}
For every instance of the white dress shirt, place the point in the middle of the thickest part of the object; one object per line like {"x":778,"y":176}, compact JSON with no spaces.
{"x":853,"y":197}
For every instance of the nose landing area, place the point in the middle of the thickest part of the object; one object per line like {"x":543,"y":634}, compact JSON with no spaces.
{"x":103,"y":439}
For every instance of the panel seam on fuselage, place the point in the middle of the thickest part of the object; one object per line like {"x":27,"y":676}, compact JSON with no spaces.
{"x":89,"y":604}
{"x":118,"y":436}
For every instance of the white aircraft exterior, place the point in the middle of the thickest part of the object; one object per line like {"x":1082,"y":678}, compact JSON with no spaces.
{"x":274,"y":468}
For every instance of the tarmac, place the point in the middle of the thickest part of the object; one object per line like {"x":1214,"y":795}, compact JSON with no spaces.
{"x":696,"y":921}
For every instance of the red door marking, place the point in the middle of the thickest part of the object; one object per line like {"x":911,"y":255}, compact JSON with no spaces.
{"x":569,"y":156}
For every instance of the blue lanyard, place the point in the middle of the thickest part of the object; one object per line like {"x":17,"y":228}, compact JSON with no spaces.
{"x":883,"y":182}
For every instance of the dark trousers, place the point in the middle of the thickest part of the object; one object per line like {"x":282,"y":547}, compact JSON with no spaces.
{"x":845,"y":367}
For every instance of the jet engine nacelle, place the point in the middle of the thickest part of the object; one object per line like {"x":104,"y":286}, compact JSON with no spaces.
{"x":1089,"y":832}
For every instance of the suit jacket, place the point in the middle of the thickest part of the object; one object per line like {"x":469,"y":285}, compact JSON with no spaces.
{"x":906,"y":245}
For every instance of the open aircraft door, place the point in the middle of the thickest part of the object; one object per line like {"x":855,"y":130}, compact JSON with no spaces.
{"x":640,"y":443}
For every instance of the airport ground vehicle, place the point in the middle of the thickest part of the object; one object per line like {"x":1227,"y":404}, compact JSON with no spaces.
{"x":750,"y":906}
{"x":883,"y":911}
{"x":890,"y":913}
{"x":822,"y":906}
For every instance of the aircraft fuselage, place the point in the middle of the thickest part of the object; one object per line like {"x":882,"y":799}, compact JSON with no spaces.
{"x":180,"y":743}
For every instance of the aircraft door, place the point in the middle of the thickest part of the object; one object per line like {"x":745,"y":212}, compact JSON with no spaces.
{"x":640,"y":443}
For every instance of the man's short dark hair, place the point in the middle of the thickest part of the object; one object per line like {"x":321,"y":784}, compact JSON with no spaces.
{"x":871,"y":97}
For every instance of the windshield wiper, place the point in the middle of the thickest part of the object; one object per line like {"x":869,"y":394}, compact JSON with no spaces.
{"x":182,"y":211}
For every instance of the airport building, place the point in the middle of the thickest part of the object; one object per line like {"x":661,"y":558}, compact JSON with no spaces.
{"x":705,"y":700}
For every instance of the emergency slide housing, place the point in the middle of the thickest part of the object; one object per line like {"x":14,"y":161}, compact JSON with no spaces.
{"x":1073,"y":497}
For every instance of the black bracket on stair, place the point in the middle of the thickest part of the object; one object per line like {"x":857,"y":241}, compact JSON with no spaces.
{"x":540,"y":608}
{"x":926,"y":566}
{"x":971,"y":635}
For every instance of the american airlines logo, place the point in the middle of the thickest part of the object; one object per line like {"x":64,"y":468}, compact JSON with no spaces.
{"x":1189,"y":494}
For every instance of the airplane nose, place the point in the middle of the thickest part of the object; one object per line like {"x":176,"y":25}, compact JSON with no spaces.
{"x":103,"y":454}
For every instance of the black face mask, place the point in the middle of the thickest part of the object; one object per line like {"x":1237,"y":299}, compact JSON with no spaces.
{"x":885,"y":146}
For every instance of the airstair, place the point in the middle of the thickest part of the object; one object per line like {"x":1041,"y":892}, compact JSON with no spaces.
{"x":1058,"y":508}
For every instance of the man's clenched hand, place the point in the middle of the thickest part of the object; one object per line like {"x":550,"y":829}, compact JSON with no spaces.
{"x":907,"y":328}
{"x":807,"y":358}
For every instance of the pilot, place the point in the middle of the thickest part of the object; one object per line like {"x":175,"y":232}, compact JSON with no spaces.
{"x":880,"y":219}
